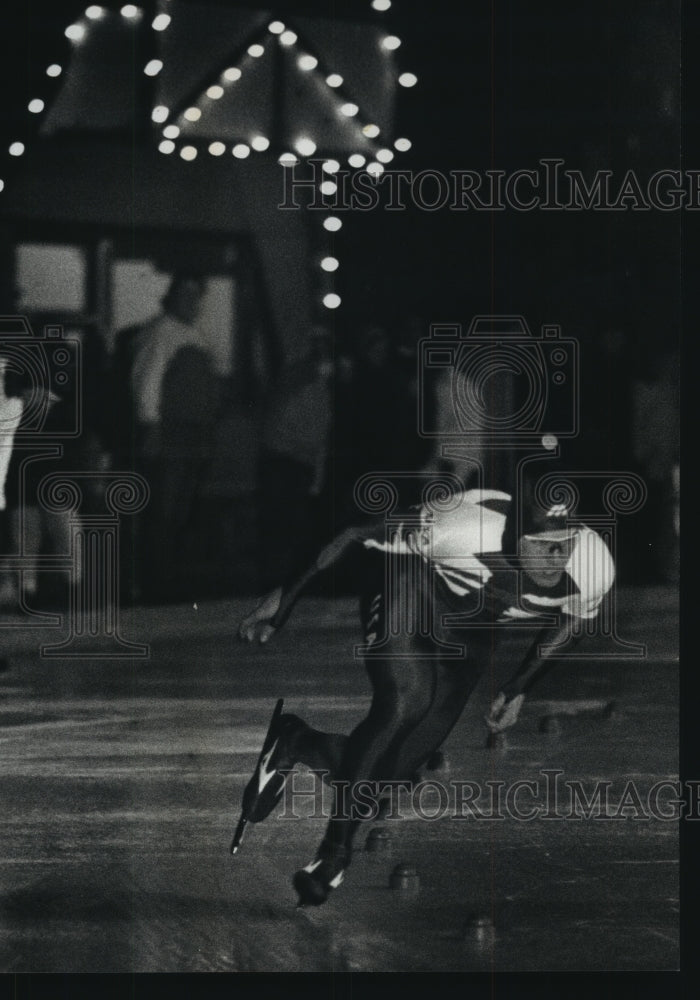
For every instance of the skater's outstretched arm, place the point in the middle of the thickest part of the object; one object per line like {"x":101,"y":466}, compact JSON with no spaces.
{"x":505,"y":708}
{"x":274,"y":610}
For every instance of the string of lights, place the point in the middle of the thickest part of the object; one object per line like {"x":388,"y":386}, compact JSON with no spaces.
{"x":188,"y":151}
{"x":77,"y":33}
{"x":304,"y":146}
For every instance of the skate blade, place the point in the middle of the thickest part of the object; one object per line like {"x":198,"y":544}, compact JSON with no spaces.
{"x":243,"y":821}
{"x":238,"y":835}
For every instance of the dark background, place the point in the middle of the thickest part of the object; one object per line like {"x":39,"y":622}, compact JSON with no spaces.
{"x":501,"y":85}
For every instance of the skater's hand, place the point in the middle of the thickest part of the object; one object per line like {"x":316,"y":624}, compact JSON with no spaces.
{"x":257,"y":624}
{"x":504,"y":713}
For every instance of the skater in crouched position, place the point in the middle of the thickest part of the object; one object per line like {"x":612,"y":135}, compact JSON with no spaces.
{"x":447,"y":582}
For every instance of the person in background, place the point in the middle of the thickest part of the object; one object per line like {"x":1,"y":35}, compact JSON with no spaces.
{"x":188,"y":418}
{"x":30,"y":527}
{"x":376,"y":427}
{"x":164,"y":390}
{"x":296,"y":435}
{"x":656,"y":449}
{"x":11,"y":409}
{"x":229,"y":511}
{"x":383,"y":405}
{"x":154,"y":347}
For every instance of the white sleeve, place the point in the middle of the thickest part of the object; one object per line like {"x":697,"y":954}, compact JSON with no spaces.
{"x":592,"y":569}
{"x":147,"y":375}
{"x":11,"y":409}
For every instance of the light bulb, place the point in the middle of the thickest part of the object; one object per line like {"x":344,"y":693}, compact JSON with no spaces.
{"x":75,"y":32}
{"x":307,"y":62}
{"x":307,"y":147}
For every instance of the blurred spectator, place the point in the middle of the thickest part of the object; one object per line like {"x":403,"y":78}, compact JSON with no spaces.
{"x":656,"y":449}
{"x":166,"y":396}
{"x":11,"y":408}
{"x":381,"y":409}
{"x":152,"y":348}
{"x":454,"y":409}
{"x":229,"y":512}
{"x":295,"y":449}
{"x":188,"y":415}
{"x":10,"y":415}
{"x":30,"y":527}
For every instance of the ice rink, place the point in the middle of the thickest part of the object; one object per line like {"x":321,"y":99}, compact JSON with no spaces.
{"x":121,"y":785}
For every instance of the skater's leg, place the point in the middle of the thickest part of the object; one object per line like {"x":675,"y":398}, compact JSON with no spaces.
{"x":416,"y":703}
{"x":402,"y":694}
{"x":455,"y":683}
{"x":403,"y":691}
